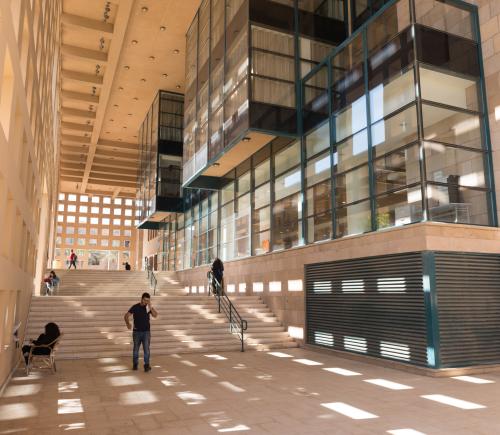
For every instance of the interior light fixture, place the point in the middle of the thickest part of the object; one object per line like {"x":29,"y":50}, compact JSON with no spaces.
{"x":134,"y":41}
{"x":143,"y":80}
{"x":126,"y":67}
{"x":176,"y":51}
{"x":120,"y":88}
{"x":129,"y":114}
{"x":164,"y":75}
{"x":246,"y":139}
{"x":111,"y":119}
{"x":215,"y":164}
{"x":162,"y":28}
{"x":135,"y":99}
{"x":115,"y":105}
{"x":178,"y":86}
{"x":144,"y":9}
{"x":152,"y":58}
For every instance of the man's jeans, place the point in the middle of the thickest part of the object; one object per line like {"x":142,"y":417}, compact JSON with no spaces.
{"x":143,"y":337}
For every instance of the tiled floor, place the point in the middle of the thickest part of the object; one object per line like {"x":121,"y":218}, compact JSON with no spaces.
{"x":294,"y":392}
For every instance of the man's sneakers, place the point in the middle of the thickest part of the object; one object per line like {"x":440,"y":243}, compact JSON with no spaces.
{"x":134,"y":367}
{"x":147,"y":368}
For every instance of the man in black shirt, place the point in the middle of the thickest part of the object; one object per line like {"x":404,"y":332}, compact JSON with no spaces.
{"x":141,"y":333}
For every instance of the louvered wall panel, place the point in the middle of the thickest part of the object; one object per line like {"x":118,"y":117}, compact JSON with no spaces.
{"x":373,"y":306}
{"x":468,"y":295}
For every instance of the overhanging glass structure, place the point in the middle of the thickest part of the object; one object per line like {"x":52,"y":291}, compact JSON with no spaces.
{"x":243,"y":64}
{"x":160,"y":141}
{"x":393,"y":131}
{"x":400,"y":110}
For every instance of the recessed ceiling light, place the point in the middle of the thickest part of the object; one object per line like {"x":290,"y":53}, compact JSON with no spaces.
{"x":108,"y":132}
{"x":162,"y":28}
{"x":143,"y":80}
{"x":246,"y":139}
{"x":125,"y":127}
{"x":126,"y":67}
{"x":176,"y":51}
{"x":135,"y":99}
{"x":111,"y":119}
{"x":129,"y":114}
{"x":134,"y":41}
{"x":144,"y":9}
{"x":152,"y":58}
{"x":120,"y":139}
{"x":178,"y":86}
{"x":115,"y":105}
{"x":120,"y":88}
{"x":164,"y":75}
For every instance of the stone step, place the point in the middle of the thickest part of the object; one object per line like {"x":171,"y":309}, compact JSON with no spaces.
{"x":162,"y":340}
{"x":121,"y":330}
{"x":177,"y":350}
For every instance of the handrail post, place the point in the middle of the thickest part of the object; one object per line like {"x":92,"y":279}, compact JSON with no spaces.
{"x":230,"y":317}
{"x":242,"y":337}
{"x":218,"y":298}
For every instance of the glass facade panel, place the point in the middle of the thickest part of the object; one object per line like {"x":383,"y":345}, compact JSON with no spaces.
{"x":353,"y":219}
{"x":352,"y":186}
{"x":287,"y":217}
{"x":445,"y":17}
{"x":398,"y":169}
{"x":445,"y":164}
{"x":399,"y":208}
{"x":452,"y":126}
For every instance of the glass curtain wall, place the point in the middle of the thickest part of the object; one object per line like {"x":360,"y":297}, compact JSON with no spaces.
{"x":242,"y":66}
{"x":396,"y":133}
{"x":160,"y":143}
{"x":399,"y":156}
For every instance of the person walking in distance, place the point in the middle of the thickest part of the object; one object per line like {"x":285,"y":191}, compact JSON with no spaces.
{"x":141,"y":333}
{"x":72,"y":260}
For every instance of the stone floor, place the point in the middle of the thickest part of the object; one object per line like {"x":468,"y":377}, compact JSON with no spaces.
{"x":294,"y":392}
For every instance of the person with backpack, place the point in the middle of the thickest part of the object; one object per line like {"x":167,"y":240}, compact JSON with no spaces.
{"x":218,"y":272}
{"x":72,"y":259}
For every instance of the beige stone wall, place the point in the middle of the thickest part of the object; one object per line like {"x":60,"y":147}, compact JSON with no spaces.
{"x":279,"y":277}
{"x":29,"y":72}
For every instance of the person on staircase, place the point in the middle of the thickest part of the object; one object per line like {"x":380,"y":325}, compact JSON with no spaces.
{"x":141,"y":333}
{"x":51,"y":333}
{"x":51,"y":282}
{"x":218,"y":273}
{"x":72,"y":260}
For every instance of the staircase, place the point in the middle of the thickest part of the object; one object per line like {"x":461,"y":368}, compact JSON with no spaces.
{"x":93,"y":326}
{"x":84,"y":282}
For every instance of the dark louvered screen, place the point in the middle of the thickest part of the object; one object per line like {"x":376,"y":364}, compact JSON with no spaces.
{"x":468,"y":295}
{"x":373,"y":306}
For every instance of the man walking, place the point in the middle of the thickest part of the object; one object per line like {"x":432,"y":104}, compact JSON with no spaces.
{"x":72,"y":260}
{"x":141,"y":333}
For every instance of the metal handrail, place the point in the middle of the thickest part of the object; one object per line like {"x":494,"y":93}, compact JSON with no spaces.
{"x":152,"y":278}
{"x":237,"y":325}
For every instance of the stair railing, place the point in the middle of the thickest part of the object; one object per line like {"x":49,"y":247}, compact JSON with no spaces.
{"x":237,"y":325}
{"x":151,"y":278}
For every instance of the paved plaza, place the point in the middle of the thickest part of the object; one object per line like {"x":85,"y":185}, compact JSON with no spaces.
{"x":293,"y":392}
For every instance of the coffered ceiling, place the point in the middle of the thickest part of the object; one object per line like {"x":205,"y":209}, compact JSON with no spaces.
{"x":115,"y":56}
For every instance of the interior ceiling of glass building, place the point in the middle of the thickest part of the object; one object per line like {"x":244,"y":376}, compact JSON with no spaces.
{"x":114,"y":58}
